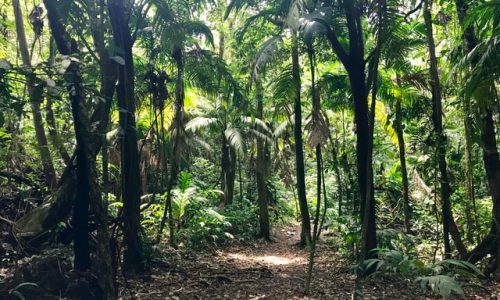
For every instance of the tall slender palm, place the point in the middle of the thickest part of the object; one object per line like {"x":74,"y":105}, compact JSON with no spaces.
{"x":284,"y":15}
{"x":175,"y":30}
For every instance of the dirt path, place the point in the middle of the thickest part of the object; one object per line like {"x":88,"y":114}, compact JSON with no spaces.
{"x":261,"y":270}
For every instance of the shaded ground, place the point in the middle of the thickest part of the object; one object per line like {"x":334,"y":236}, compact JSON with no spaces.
{"x":273,"y":270}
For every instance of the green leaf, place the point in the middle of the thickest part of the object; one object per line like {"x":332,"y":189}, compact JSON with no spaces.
{"x":443,"y":285}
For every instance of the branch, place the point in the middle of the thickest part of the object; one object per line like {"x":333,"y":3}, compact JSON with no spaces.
{"x":413,"y":10}
{"x":86,"y":44}
{"x":334,"y":41}
{"x":59,"y":33}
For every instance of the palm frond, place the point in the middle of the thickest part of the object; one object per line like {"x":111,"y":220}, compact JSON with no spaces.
{"x":266,"y":52}
{"x":265,"y":15}
{"x":284,"y":86}
{"x":234,"y":138}
{"x":199,"y":28}
{"x":257,"y":124}
{"x":261,"y":136}
{"x":200,"y":122}
{"x":282,"y":127}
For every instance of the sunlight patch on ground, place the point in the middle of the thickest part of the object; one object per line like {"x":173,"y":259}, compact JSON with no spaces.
{"x":266,"y":259}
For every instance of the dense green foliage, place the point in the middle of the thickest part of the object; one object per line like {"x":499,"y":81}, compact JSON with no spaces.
{"x":400,"y":120}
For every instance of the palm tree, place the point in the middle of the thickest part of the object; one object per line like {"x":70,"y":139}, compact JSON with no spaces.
{"x":175,"y":31}
{"x":284,"y":16}
{"x":449,"y":226}
{"x":232,"y":127}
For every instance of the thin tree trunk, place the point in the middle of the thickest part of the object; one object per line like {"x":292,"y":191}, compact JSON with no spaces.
{"x":316,"y":103}
{"x":240,"y":180}
{"x":336,"y":168}
{"x":226,"y":197}
{"x":130,"y":172}
{"x":470,"y":204}
{"x":231,"y":179}
{"x":178,"y":131}
{"x":35,"y":92}
{"x":261,"y":169}
{"x":449,"y":226}
{"x":305,"y":235}
{"x":402,"y":162}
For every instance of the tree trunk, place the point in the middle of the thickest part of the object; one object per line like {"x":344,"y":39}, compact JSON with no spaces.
{"x":178,"y":132}
{"x":130,"y":173}
{"x":491,"y":156}
{"x":449,"y":226}
{"x":404,"y":171}
{"x":228,"y":172}
{"x":492,"y":165}
{"x":261,"y":169}
{"x":35,"y":91}
{"x":305,"y":235}
{"x":47,"y":216}
{"x":316,"y":112}
{"x":469,"y":43}
{"x":358,"y":86}
{"x":86,"y":175}
{"x":470,"y":204}
{"x":336,"y":168}
{"x":354,"y":63}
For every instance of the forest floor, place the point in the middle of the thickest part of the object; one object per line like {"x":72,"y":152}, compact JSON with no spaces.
{"x":269,"y":270}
